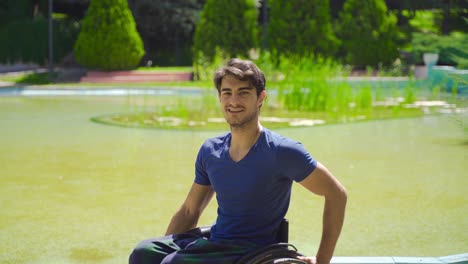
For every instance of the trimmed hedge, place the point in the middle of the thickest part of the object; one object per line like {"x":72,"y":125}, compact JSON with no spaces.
{"x":167,"y":28}
{"x":369,"y":33}
{"x":108,"y":39}
{"x":26,"y":40}
{"x":228,"y":26}
{"x":301,"y":28}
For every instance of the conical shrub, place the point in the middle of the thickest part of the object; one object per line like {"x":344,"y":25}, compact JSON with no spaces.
{"x":109,"y":39}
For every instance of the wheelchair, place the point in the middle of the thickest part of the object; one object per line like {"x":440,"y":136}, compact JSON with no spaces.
{"x":279,"y":253}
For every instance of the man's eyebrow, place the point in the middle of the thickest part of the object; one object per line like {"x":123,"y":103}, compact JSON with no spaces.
{"x":246,"y":88}
{"x":228,"y":89}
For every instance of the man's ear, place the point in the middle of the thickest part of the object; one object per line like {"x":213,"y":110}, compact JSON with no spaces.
{"x":261,"y":97}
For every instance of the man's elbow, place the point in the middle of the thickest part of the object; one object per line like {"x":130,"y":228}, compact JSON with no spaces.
{"x":339,"y":194}
{"x":344,"y":194}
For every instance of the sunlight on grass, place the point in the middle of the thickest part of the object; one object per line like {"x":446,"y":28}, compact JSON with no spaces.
{"x":73,"y":191}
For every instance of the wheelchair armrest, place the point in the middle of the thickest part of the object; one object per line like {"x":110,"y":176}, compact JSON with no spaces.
{"x":204,"y":231}
{"x":283,"y":232}
{"x":281,"y":237}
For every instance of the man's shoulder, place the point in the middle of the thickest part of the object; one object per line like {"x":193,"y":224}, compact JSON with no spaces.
{"x":276,"y":139}
{"x":215,"y":143}
{"x":220,"y":139}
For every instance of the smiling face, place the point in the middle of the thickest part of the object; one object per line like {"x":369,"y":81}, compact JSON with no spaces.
{"x":239,"y":102}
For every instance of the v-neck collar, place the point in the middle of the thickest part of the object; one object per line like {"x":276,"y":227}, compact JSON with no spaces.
{"x":252,"y":149}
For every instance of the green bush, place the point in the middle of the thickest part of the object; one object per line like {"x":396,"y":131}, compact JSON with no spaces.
{"x":26,"y":40}
{"x":301,"y":27}
{"x":369,"y":33}
{"x":451,"y":48}
{"x":11,"y":10}
{"x":167,"y":28}
{"x":108,"y":39}
{"x":229,"y":27}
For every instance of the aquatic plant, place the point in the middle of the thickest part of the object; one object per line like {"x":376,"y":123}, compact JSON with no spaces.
{"x":301,"y":91}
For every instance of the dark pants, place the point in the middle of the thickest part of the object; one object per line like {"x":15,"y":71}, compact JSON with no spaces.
{"x":188,"y":248}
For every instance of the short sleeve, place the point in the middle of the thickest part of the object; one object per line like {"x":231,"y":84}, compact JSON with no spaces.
{"x":201,"y":177}
{"x":294,"y":160}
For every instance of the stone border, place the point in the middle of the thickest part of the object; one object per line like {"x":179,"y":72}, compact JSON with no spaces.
{"x":452,"y":259}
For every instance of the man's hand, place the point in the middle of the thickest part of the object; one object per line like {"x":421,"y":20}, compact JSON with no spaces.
{"x":310,"y":260}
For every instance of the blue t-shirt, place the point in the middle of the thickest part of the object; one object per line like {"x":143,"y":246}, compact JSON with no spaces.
{"x":253,"y":194}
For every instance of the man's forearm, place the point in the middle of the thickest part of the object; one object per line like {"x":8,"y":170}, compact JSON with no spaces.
{"x":333,"y":217}
{"x":181,"y":222}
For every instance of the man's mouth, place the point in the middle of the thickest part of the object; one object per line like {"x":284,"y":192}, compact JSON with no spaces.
{"x":234,"y":111}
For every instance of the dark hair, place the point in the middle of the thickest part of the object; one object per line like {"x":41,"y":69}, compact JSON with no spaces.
{"x":243,"y":70}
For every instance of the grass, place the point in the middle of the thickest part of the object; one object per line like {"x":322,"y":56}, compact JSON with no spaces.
{"x":29,"y":78}
{"x":95,"y":191}
{"x":98,"y":190}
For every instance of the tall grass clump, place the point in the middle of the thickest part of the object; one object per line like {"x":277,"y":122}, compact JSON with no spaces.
{"x":299,"y":88}
{"x":315,"y":84}
{"x":318,"y":87}
{"x":304,"y":85}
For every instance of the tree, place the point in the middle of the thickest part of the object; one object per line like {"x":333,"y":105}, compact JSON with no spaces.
{"x":228,"y":26}
{"x":108,"y":39}
{"x":369,"y":33}
{"x":167,"y":28}
{"x":12,"y":10}
{"x":24,"y":33}
{"x":301,"y":27}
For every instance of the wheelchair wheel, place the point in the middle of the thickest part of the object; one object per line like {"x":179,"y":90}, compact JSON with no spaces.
{"x":272,"y":254}
{"x":289,"y":261}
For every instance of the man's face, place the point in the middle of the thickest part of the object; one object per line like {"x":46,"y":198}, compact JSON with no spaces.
{"x":239,"y":101}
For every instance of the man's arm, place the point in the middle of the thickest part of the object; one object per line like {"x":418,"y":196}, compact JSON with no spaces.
{"x":323,"y":183}
{"x":187,"y":216}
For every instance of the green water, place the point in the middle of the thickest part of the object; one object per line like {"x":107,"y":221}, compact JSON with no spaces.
{"x":74,"y":191}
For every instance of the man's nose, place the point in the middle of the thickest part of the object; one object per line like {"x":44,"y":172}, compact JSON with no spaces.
{"x":235,"y":99}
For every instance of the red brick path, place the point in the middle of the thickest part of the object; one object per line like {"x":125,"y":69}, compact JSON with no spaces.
{"x":135,"y":76}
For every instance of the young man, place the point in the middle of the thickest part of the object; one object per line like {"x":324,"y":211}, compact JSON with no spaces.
{"x":251,"y":171}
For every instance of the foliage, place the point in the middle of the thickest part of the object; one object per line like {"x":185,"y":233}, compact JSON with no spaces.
{"x":430,"y":16}
{"x":227,"y":27}
{"x":451,"y":48}
{"x":167,"y":28}
{"x":26,"y":40}
{"x":462,"y":62}
{"x":301,"y":27}
{"x":35,"y":78}
{"x":424,"y":21}
{"x":108,"y":39}
{"x":205,"y":68}
{"x":368,"y":32}
{"x":11,"y":10}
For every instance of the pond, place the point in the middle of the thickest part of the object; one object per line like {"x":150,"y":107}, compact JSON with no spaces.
{"x":76,"y":191}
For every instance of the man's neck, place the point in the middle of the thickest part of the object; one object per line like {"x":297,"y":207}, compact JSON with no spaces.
{"x":243,"y":138}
